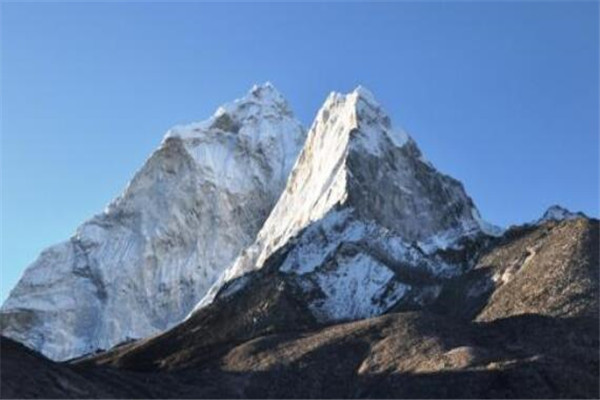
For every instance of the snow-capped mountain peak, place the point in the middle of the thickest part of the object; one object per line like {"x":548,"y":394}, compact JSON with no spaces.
{"x":199,"y":199}
{"x":367,"y":126}
{"x":346,"y":124}
{"x":359,"y":179}
{"x":261,"y":102}
{"x":267,"y":93}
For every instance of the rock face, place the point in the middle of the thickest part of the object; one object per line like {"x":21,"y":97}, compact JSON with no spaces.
{"x":365,"y":221}
{"x":141,"y":265}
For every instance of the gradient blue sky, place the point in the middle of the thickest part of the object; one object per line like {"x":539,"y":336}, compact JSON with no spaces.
{"x":503,"y":96}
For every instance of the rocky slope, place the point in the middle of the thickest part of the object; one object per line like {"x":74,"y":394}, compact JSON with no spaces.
{"x":548,"y":269}
{"x":198,"y":200}
{"x":262,"y":342}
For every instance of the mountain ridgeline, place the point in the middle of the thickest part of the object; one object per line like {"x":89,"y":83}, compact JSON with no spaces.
{"x":251,"y":258}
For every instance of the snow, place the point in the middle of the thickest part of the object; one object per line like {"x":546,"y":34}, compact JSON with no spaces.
{"x":356,"y":289}
{"x":507,"y":274}
{"x":373,"y":129}
{"x":558,"y":213}
{"x":321,"y":240}
{"x":366,"y":94}
{"x":441,"y":241}
{"x":253,"y":124}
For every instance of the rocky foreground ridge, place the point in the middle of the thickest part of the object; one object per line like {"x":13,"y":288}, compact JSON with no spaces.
{"x":373,"y":276}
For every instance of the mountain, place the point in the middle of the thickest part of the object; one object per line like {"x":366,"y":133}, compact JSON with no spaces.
{"x":365,"y":222}
{"x":373,"y":276}
{"x":141,"y":265}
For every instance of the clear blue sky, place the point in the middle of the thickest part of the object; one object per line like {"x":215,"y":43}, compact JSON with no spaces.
{"x":503,"y":96}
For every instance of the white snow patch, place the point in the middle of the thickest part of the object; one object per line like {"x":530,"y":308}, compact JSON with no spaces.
{"x":355,"y":289}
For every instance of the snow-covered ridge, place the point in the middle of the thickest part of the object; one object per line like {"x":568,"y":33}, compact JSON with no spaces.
{"x":558,"y":213}
{"x":141,"y":265}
